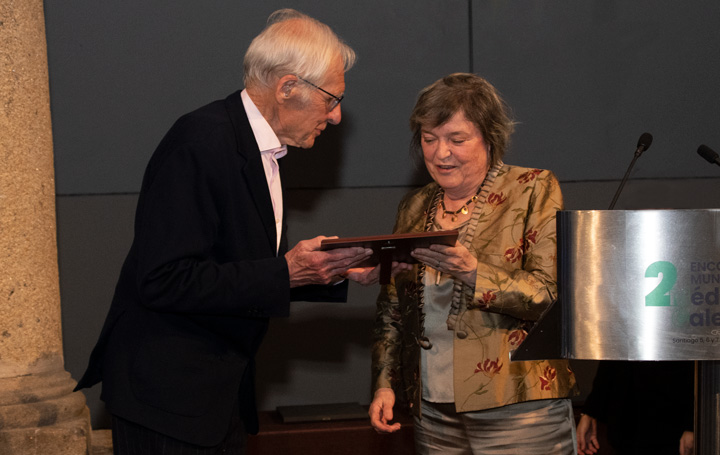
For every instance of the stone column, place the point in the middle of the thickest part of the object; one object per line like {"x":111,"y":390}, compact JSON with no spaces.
{"x":39,"y":413}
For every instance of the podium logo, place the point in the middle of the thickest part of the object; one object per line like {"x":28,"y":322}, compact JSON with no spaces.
{"x":698,"y":307}
{"x":660,"y":296}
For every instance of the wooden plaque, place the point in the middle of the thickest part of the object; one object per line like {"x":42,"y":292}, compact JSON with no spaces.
{"x":393,"y":247}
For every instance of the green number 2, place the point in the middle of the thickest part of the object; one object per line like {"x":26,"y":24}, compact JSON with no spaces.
{"x":659,"y":296}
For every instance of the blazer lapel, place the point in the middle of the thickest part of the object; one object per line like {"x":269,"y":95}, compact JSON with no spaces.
{"x":253,"y":170}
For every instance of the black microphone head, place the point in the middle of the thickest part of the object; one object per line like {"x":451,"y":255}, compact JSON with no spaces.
{"x":707,"y":153}
{"x":645,"y":141}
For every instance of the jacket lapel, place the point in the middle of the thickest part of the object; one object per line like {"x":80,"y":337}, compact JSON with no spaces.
{"x":253,"y":170}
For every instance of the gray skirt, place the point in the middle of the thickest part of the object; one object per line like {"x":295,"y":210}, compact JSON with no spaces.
{"x":543,"y":427}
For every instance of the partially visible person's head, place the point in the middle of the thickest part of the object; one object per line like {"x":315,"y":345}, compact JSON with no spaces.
{"x":295,"y":72}
{"x":476,"y":98}
{"x":294,"y":43}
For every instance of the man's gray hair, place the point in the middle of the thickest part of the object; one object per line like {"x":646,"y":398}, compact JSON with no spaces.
{"x":294,"y":43}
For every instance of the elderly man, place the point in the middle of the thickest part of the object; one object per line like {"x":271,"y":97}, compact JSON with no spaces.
{"x":209,"y":263}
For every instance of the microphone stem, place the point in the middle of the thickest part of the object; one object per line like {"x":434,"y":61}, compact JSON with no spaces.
{"x":638,"y":152}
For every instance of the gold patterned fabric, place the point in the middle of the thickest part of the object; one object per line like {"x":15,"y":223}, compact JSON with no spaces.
{"x":513,"y":237}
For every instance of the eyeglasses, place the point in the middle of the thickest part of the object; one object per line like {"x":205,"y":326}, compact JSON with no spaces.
{"x":331,"y":104}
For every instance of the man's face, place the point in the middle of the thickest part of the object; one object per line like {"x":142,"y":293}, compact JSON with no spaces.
{"x":299,"y":123}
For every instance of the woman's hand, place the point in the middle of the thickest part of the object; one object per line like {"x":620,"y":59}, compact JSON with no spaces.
{"x":381,"y":411}
{"x":587,"y":435}
{"x":453,"y":260}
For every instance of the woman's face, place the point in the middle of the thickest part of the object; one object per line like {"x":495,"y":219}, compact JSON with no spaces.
{"x":456,"y":156}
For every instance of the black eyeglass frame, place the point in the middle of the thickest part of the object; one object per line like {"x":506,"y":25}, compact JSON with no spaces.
{"x":334,"y":102}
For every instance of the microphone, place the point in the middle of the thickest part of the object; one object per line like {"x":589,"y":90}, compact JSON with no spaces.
{"x":642,"y":145}
{"x":709,"y":154}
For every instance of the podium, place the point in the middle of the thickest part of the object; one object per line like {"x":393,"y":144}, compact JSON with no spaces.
{"x":639,"y":285}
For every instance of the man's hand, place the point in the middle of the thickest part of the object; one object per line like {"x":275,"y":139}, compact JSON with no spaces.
{"x":381,"y":411}
{"x":687,"y":443}
{"x":308,"y":265}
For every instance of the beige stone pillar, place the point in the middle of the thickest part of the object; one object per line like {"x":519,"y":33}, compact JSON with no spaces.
{"x":39,"y":413}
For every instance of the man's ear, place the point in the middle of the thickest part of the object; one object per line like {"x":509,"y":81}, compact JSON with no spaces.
{"x":284,"y":87}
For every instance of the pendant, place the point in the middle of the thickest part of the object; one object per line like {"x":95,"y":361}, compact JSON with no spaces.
{"x":464,"y":210}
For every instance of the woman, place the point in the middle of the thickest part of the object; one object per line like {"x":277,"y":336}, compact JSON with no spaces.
{"x":445,"y":329}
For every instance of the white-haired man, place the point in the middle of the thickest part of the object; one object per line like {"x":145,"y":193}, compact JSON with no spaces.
{"x":209,"y":264}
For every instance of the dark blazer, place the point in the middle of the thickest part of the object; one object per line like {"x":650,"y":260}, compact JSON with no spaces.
{"x":199,"y":283}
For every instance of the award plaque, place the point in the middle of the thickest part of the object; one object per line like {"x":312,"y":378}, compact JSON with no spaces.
{"x":394,"y":247}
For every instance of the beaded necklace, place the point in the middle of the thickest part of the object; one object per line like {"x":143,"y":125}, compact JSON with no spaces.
{"x":463,"y":209}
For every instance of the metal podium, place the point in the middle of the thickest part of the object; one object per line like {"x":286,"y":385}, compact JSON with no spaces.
{"x":639,"y":285}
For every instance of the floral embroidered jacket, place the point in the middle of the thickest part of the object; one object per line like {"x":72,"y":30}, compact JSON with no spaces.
{"x":515,"y":244}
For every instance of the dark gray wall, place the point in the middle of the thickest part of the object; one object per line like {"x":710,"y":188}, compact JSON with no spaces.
{"x":122,"y":72}
{"x":584,"y":78}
